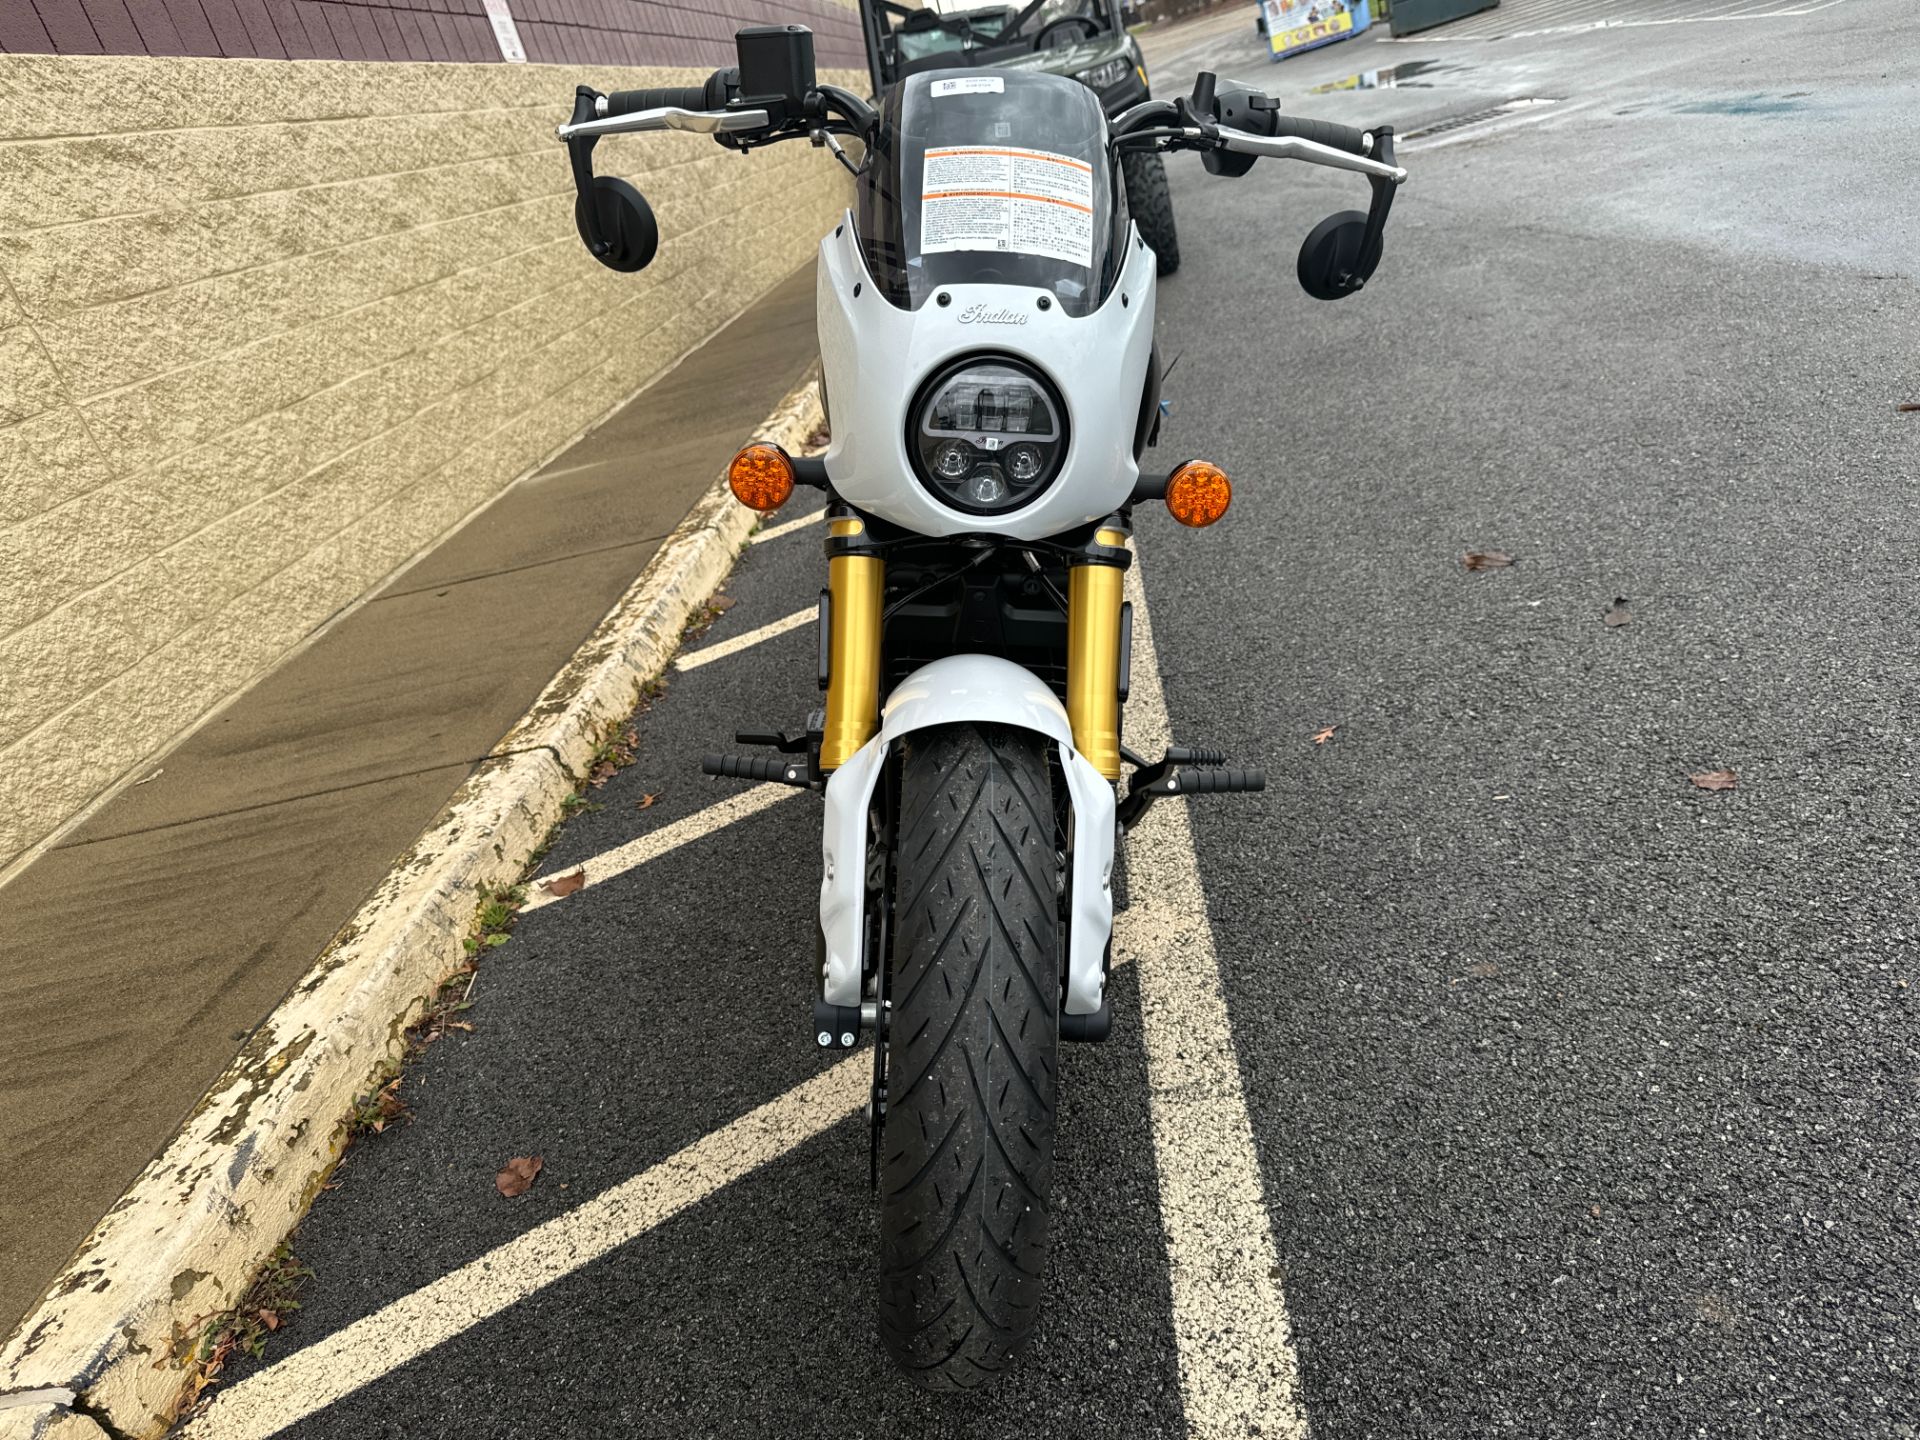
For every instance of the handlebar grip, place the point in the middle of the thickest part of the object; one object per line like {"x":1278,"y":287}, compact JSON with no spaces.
{"x":711,"y":96}
{"x":677,"y":97}
{"x":1321,"y":132}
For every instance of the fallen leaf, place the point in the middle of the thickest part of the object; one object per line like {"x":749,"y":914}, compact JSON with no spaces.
{"x":562,"y":886}
{"x":1714,"y":779}
{"x":645,"y":802}
{"x":517,"y":1175}
{"x":1486,"y":560}
{"x":388,"y":1108}
{"x":1907,"y":407}
{"x":1594,"y":1210}
{"x":720,"y":604}
{"x":269,"y":1319}
{"x":1619,"y":615}
{"x":1483,"y":969}
{"x":1320,"y":737}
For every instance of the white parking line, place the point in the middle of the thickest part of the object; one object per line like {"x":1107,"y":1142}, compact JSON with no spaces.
{"x":788,"y":527}
{"x":269,"y":1400}
{"x":609,"y":863}
{"x":694,"y":659}
{"x":1238,"y":1372}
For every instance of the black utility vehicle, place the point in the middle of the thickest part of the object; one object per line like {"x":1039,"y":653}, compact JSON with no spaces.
{"x":1085,"y":40}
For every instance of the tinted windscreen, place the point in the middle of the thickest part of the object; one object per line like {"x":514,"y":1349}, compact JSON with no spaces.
{"x":993,"y":177}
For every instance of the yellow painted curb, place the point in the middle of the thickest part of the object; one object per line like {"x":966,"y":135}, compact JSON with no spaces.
{"x":187,"y":1238}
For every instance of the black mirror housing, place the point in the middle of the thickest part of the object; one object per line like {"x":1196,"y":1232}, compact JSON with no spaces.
{"x":1333,"y":259}
{"x":626,"y":227}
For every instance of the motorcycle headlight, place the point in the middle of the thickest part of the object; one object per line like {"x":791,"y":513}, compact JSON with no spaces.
{"x":1101,"y":76}
{"x":988,"y":435}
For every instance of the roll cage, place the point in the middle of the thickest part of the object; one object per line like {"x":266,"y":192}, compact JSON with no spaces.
{"x":902,"y":39}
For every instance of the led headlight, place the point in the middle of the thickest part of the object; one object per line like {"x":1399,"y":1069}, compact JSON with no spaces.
{"x":988,"y":435}
{"x":1111,"y":73}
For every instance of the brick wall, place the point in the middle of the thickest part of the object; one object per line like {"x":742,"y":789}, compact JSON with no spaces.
{"x":585,"y":32}
{"x":269,"y":329}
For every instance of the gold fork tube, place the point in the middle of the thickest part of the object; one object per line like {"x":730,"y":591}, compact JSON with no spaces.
{"x":856,"y":585}
{"x":1093,"y":664}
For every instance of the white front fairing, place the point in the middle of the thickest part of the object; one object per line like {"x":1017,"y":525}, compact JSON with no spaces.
{"x":876,"y":356}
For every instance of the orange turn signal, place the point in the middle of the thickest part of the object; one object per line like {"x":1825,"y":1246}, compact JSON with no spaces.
{"x":1198,"y":493}
{"x":761,"y":477}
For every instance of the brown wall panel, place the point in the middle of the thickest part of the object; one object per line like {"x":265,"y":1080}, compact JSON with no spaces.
{"x":554,"y":32}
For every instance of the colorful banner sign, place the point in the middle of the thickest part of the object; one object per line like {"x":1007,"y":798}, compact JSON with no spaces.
{"x":1296,"y":25}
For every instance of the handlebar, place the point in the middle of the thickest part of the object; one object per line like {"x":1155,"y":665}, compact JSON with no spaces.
{"x":773,"y":96}
{"x":1233,"y":120}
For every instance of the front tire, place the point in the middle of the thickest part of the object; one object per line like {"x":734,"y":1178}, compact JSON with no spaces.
{"x":1152,"y":205}
{"x":972,"y":1035}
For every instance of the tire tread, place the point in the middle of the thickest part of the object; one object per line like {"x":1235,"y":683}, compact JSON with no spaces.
{"x":1151,"y":203}
{"x":969,"y":1157}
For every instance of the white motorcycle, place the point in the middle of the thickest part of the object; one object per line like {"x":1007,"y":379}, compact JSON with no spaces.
{"x":986,"y":331}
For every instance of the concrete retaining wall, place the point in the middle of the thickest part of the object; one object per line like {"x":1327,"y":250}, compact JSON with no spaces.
{"x":268,"y":328}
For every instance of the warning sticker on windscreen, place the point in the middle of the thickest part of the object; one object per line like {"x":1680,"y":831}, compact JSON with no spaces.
{"x":1031,"y":202}
{"x":970,"y":85}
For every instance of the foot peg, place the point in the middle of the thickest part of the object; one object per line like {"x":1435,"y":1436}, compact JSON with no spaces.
{"x":802,"y":772}
{"x":748,"y":767}
{"x":1214,"y":782}
{"x":1185,"y":771}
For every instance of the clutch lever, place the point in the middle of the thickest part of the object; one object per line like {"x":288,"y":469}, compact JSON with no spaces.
{"x":1378,"y":167}
{"x":667,"y":117}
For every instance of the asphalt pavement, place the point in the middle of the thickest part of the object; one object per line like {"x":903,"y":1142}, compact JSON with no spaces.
{"x":1583,"y":1099}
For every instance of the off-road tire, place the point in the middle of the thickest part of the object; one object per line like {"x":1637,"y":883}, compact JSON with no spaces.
{"x":967,"y":1161}
{"x":1152,"y":205}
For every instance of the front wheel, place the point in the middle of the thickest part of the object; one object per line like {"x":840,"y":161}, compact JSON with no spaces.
{"x":1152,"y":205}
{"x":968,"y":1147}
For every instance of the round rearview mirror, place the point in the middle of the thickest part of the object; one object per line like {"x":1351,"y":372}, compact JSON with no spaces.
{"x":626,"y":224}
{"x":1331,"y":253}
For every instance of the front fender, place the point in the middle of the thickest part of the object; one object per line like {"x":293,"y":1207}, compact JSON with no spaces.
{"x":961,"y":689}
